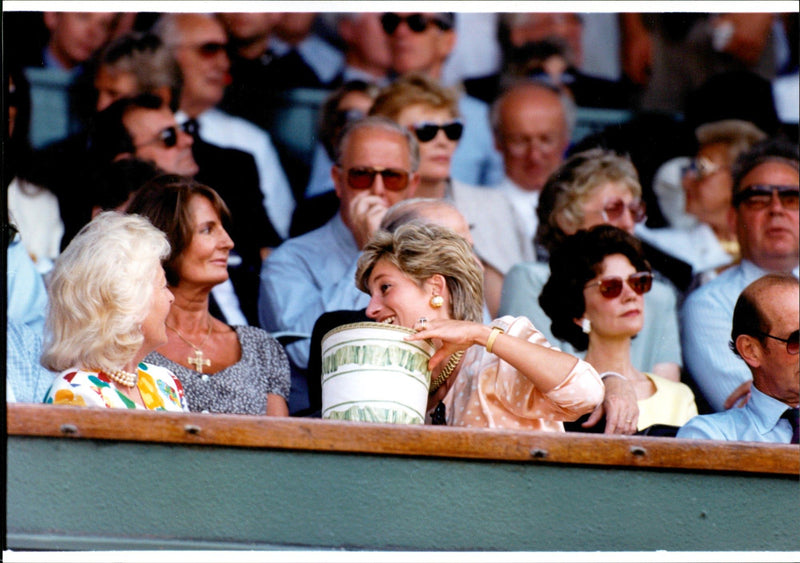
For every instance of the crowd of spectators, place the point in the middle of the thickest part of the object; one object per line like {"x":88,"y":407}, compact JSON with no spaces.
{"x":287,"y":138}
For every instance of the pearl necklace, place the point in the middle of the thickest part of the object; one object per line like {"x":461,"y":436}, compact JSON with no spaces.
{"x":446,"y":371}
{"x":123,"y":377}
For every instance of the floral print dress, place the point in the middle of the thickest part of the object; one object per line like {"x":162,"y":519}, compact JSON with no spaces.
{"x":160,"y":390}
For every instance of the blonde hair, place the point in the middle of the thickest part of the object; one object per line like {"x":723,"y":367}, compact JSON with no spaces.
{"x":421,"y":250}
{"x":413,"y":89}
{"x":736,"y":134}
{"x":568,"y":188}
{"x":100,"y":291}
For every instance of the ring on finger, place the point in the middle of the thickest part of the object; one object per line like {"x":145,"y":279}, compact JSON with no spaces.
{"x":423,"y":323}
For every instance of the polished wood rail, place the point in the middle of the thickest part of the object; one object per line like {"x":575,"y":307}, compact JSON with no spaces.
{"x":385,"y":439}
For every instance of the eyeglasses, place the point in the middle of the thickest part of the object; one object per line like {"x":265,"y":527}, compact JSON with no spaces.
{"x":792,"y":343}
{"x":520,"y":145}
{"x":759,"y":196}
{"x":701,"y":168}
{"x":415,"y":22}
{"x":613,"y":210}
{"x":611,"y":287}
{"x":427,"y":131}
{"x":362,"y":178}
{"x":209,"y":50}
{"x":168,"y":137}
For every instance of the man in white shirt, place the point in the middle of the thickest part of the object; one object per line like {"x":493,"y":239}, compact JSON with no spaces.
{"x":532,"y":126}
{"x":198,"y":43}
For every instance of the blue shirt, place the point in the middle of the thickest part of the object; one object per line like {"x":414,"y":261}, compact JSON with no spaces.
{"x":758,"y":421}
{"x":706,"y":320}
{"x":25,"y":376}
{"x":307,"y":276}
{"x":476,"y":161}
{"x":27,"y":296}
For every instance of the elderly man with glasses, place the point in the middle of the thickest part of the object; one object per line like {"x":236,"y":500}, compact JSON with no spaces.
{"x":765,"y":217}
{"x":375,"y":167}
{"x":765,"y":338}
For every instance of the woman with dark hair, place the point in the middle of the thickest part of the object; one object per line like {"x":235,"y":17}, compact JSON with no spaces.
{"x":224,"y":369}
{"x":595,"y":187}
{"x":595,"y":298}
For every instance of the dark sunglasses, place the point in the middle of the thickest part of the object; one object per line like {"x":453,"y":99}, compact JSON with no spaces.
{"x":426,"y":131}
{"x":792,"y":343}
{"x":168,"y":137}
{"x":415,"y":22}
{"x":394,"y":179}
{"x":613,"y":210}
{"x":759,"y":196}
{"x":611,"y":287}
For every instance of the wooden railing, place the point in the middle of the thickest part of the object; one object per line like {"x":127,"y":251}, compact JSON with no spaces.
{"x":384,"y":439}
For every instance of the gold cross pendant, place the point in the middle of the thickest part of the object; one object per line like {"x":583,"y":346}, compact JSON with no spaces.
{"x":198,"y":361}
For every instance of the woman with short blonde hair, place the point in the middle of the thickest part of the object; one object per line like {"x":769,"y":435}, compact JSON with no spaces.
{"x":505,"y":375}
{"x":108,"y":303}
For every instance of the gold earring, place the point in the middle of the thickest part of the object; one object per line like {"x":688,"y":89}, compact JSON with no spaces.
{"x":437,"y":301}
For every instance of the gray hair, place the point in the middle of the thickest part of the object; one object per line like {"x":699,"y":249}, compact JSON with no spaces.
{"x":412,"y":209}
{"x":382,"y":123}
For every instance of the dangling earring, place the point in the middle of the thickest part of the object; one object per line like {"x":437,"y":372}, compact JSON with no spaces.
{"x":437,"y":301}
{"x":586,"y":325}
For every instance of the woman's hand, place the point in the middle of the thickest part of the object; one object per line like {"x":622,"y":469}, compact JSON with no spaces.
{"x":449,"y":336}
{"x":619,"y":405}
{"x":739,"y":397}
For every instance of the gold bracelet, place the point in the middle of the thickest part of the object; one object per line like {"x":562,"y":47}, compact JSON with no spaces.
{"x":492,"y":337}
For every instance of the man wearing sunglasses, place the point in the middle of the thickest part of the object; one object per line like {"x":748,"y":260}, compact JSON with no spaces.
{"x":765,"y":338}
{"x":420,"y":43}
{"x":144,"y":128}
{"x":198,"y":43}
{"x":765,"y":217}
{"x":375,"y":167}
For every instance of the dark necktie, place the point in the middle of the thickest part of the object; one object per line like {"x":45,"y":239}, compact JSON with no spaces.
{"x":792,"y":415}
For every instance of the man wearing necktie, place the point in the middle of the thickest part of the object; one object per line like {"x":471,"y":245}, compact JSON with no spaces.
{"x":765,"y":337}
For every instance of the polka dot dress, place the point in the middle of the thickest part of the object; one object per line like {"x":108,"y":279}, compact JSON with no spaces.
{"x":241,"y":388}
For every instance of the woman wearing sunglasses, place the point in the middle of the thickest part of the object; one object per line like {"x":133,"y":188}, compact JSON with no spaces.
{"x":430,"y":111}
{"x":595,"y":298}
{"x":697,"y":200}
{"x":592,"y":188}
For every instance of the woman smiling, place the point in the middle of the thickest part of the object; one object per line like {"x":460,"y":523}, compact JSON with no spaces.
{"x":224,"y":369}
{"x":504,"y":375}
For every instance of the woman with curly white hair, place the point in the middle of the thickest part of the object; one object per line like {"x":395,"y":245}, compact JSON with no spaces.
{"x":108,"y":306}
